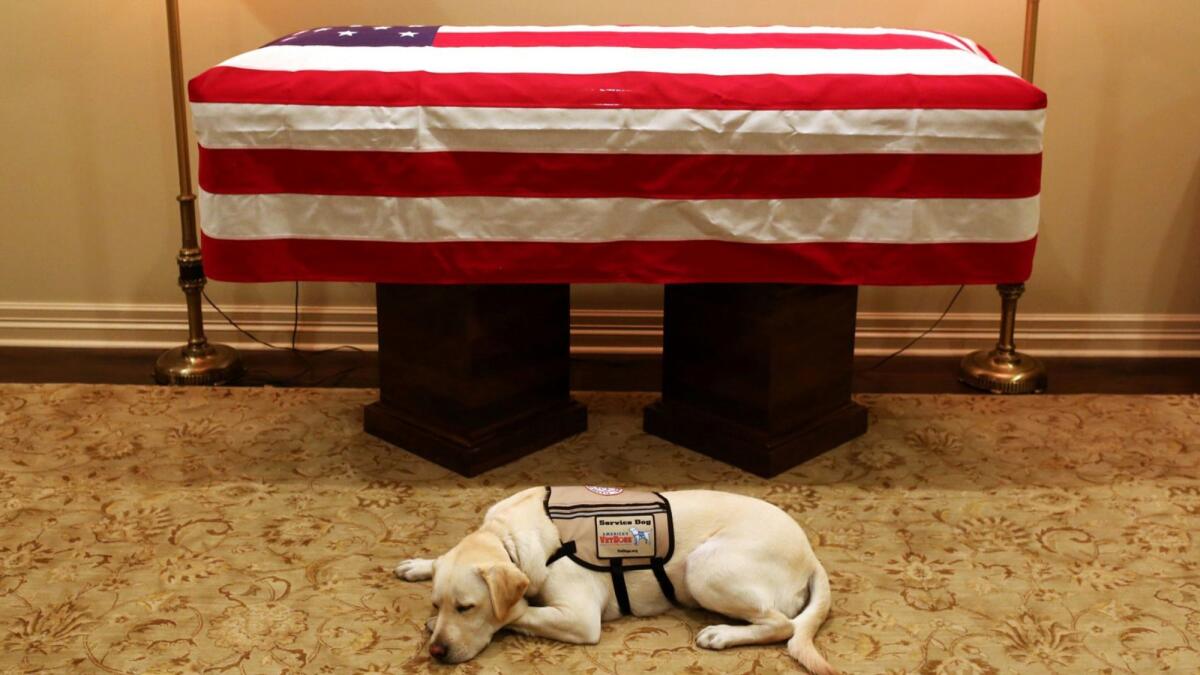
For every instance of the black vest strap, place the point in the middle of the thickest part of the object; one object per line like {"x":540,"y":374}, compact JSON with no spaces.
{"x":617,"y":572}
{"x":618,"y":579}
{"x":664,"y":582}
{"x":562,"y":552}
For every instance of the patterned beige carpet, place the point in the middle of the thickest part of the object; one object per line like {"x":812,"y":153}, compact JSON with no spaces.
{"x":150,"y":530}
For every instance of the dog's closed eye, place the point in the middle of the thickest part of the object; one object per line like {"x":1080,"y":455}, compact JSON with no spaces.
{"x":463,"y":609}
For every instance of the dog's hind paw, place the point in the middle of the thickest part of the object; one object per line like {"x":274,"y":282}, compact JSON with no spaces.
{"x":415,"y":569}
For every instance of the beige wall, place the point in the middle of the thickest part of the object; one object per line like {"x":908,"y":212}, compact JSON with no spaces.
{"x":87,"y":164}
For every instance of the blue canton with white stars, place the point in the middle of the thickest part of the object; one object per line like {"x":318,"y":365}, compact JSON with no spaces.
{"x":361,"y":36}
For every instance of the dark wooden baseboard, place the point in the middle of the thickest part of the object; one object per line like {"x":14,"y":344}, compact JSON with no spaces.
{"x":136,"y":366}
{"x":904,"y":374}
{"x":1068,"y":375}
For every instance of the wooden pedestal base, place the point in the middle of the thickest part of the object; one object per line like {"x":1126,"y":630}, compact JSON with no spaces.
{"x":758,"y":375}
{"x":472,"y":377}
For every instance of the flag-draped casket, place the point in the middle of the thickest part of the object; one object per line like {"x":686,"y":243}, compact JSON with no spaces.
{"x":441,"y":154}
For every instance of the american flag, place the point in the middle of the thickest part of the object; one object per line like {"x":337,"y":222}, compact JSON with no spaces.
{"x":444,"y":154}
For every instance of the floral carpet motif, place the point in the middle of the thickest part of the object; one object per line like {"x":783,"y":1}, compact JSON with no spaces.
{"x":153,"y":530}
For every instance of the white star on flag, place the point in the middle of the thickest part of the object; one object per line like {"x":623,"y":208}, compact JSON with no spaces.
{"x":408,"y":33}
{"x":346,"y":33}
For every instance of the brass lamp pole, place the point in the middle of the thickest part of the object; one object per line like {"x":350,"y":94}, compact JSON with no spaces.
{"x":1004,"y":370}
{"x":198,"y":362}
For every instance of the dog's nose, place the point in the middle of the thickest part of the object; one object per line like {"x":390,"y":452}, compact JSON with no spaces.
{"x":437,"y":650}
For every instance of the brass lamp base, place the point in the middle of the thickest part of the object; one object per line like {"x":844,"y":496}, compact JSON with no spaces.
{"x":207,"y":364}
{"x":1003,"y":372}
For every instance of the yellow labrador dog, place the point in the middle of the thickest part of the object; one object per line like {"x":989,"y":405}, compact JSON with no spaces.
{"x":734,"y":555}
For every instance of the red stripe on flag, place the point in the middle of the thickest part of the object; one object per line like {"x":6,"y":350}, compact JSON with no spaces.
{"x":676,"y":40}
{"x":657,"y":262}
{"x":224,"y":84}
{"x":439,"y":174}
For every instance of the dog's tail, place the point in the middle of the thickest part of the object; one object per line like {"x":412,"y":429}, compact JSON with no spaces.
{"x":806,"y":623}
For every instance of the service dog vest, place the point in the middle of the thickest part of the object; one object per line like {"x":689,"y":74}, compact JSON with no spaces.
{"x":614,"y":530}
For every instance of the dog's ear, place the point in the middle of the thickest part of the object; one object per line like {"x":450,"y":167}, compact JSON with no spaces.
{"x":506,"y":584}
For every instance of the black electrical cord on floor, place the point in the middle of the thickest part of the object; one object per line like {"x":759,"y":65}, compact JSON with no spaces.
{"x":292,"y":380}
{"x":917,"y":339}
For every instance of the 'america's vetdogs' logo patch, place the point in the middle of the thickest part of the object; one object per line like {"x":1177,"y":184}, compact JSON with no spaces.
{"x":625,"y":536}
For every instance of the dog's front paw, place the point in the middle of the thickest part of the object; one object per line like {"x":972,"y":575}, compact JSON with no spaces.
{"x":415,"y":569}
{"x":715,"y":637}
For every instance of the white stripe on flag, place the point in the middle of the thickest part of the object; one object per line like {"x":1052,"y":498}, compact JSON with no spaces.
{"x":595,"y":60}
{"x":670,"y":131}
{"x":973,"y":45}
{"x":706,"y":30}
{"x":432,"y":219}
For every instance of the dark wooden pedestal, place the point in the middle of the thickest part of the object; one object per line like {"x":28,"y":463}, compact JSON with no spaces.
{"x":472,"y":377}
{"x":758,"y":375}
